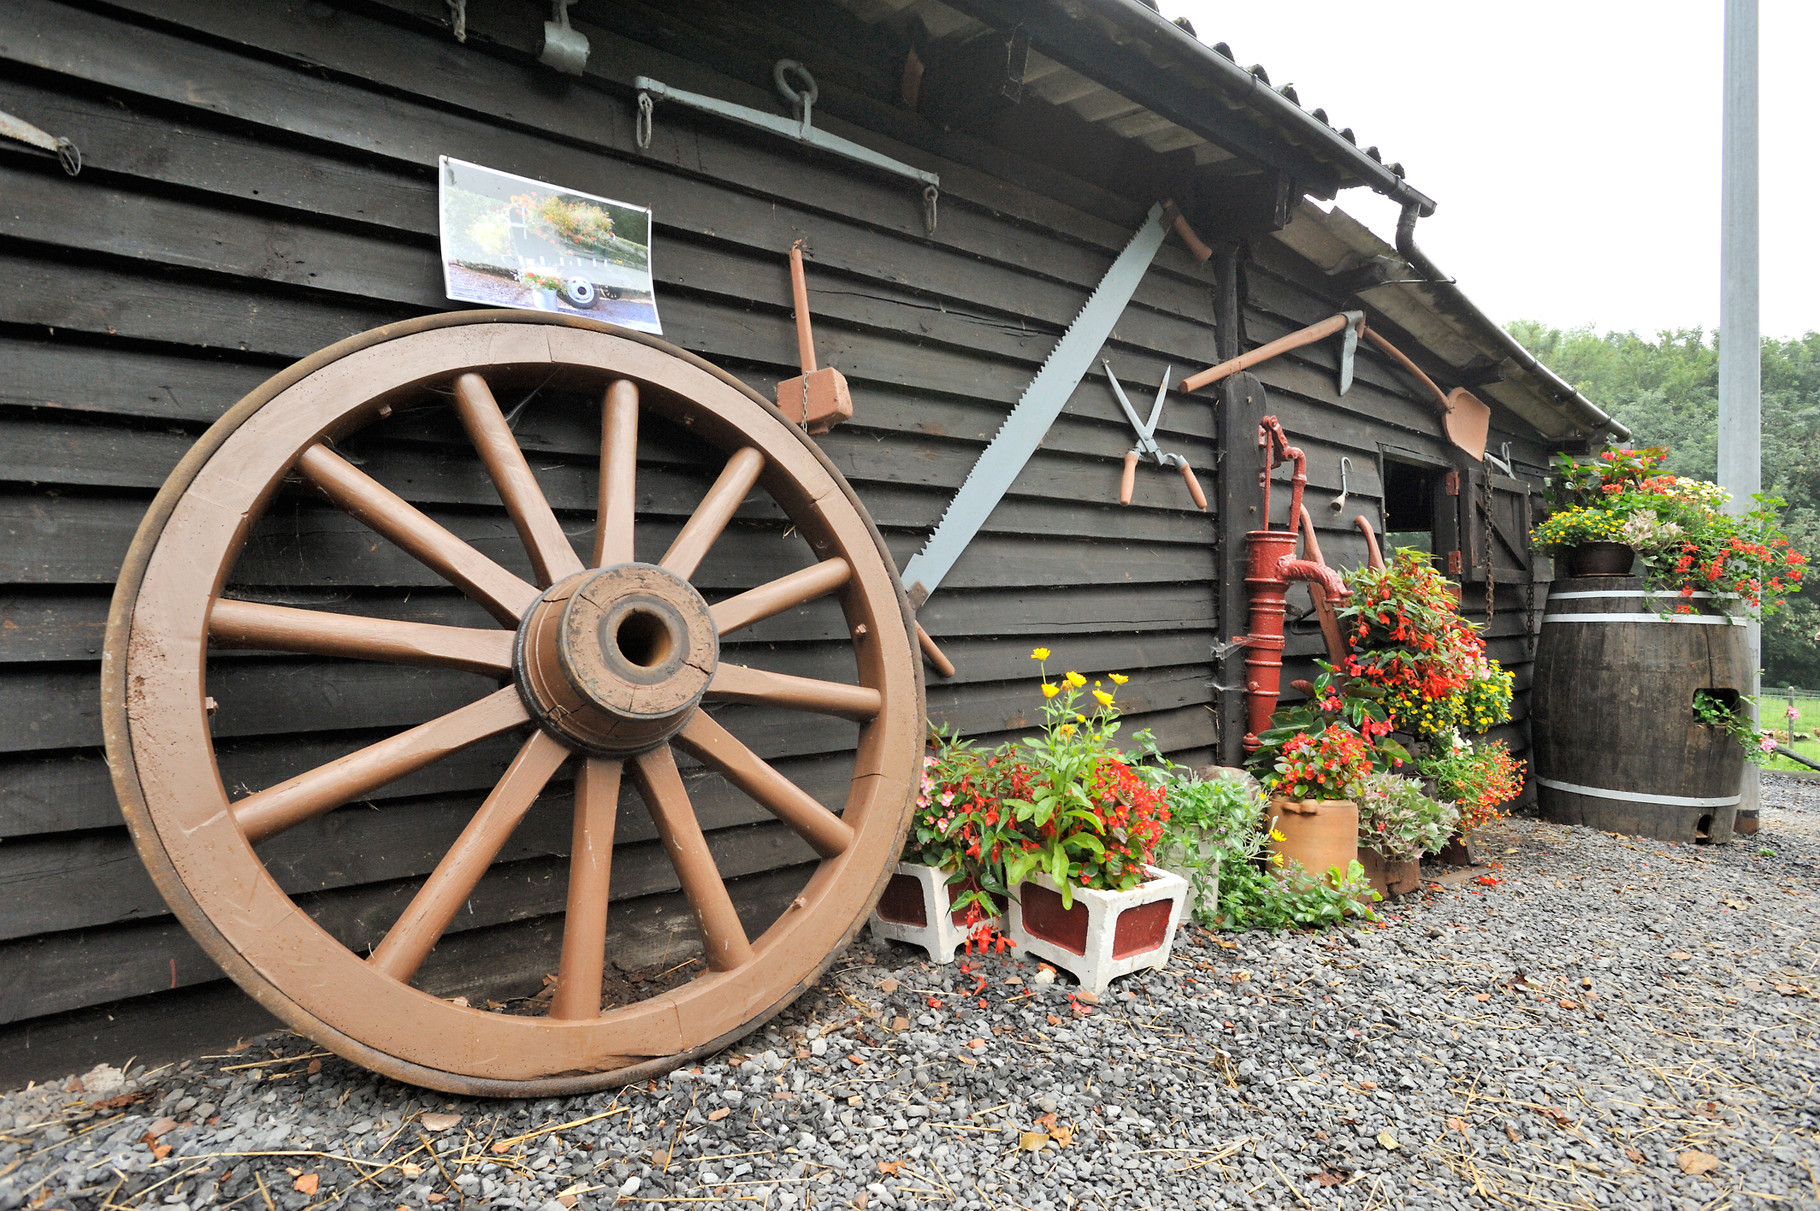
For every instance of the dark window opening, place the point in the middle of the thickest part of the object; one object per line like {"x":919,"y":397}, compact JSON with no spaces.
{"x":1409,"y":505}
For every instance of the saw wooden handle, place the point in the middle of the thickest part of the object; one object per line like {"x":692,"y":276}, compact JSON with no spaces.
{"x":1194,"y":486}
{"x":1263,"y":353}
{"x":942,"y":664}
{"x":1128,"y":480}
{"x":1197,"y":248}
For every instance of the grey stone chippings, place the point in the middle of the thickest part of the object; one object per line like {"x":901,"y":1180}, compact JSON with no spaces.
{"x":1574,"y":1025}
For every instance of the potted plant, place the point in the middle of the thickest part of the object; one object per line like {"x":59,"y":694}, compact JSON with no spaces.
{"x":948,"y":890}
{"x":1084,"y":894}
{"x":1678,"y":529}
{"x":1477,"y":776}
{"x":1240,"y":886}
{"x":543,"y":288}
{"x":1312,"y":776}
{"x":1210,"y":821}
{"x":1399,"y":823}
{"x":1426,"y":662}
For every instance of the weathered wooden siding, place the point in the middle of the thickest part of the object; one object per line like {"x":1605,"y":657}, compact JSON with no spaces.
{"x":260,"y":183}
{"x":1382,"y":412}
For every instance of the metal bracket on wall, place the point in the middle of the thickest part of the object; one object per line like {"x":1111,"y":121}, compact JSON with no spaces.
{"x":801,"y":128}
{"x":66,"y":152}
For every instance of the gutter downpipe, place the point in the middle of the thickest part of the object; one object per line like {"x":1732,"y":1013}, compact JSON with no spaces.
{"x":1590,"y":418}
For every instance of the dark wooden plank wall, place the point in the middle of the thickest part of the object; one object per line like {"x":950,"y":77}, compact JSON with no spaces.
{"x":240,"y":209}
{"x":260,"y":183}
{"x":1382,"y":411}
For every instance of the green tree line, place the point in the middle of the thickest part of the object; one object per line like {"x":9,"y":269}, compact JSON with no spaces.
{"x":1667,"y":392}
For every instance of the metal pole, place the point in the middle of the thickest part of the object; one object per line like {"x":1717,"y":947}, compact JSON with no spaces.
{"x":1740,"y":365}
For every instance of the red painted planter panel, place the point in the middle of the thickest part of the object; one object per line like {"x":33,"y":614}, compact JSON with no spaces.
{"x":902,"y":903}
{"x":1045,"y":918}
{"x":1140,"y":929}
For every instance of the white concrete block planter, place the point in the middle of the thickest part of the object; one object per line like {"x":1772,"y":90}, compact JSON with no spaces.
{"x":1106,"y":934}
{"x":916,"y":908}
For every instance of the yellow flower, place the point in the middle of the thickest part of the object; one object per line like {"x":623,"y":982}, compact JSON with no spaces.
{"x":1118,"y":678}
{"x":1278,"y":837}
{"x":1050,"y":691}
{"x":1075,"y":679}
{"x":1102,"y":697}
{"x":1039,"y":654}
{"x":1080,"y":717}
{"x":1277,"y":858}
{"x":1067,"y":729}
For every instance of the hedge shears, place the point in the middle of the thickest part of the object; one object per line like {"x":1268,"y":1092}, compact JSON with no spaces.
{"x":1146,"y":442}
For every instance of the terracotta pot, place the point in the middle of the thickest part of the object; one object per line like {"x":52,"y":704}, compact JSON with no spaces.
{"x":1600,"y":559}
{"x":1318,"y":833}
{"x":1390,"y":876}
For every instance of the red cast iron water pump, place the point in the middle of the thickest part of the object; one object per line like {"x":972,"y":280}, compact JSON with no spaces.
{"x":1271,"y":564}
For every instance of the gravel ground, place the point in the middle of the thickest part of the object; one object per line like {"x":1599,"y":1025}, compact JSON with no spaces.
{"x":1592,"y":1021}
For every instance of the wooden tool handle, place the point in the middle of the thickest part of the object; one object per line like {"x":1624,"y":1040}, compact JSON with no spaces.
{"x":1263,"y":353}
{"x":1194,"y":486}
{"x":799,"y":293}
{"x":1196,"y":248}
{"x":1402,"y":360}
{"x":942,"y":664}
{"x":1128,"y":480}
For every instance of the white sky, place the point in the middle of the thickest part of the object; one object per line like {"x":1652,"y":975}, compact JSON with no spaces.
{"x":1572,"y":147}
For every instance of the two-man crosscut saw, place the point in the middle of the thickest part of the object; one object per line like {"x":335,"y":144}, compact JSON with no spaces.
{"x":1042,"y":401}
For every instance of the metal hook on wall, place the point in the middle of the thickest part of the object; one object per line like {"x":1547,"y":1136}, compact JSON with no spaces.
{"x":1339,"y":502}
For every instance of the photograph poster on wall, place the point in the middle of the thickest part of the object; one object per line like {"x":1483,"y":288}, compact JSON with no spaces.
{"x":510,"y":241}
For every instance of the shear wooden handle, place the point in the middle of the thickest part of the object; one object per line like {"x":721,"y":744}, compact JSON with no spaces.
{"x":1194,"y":486}
{"x":1128,"y":480}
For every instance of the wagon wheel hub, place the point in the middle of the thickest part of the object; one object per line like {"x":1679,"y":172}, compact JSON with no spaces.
{"x":615,"y":661}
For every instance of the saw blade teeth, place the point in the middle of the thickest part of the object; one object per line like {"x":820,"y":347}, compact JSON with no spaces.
{"x":1112,"y":279}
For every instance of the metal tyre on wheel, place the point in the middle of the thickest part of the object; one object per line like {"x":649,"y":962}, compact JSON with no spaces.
{"x":605,"y":668}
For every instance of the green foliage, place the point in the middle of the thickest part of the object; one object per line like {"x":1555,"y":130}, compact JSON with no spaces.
{"x":1226,"y":818}
{"x":1211,"y":825}
{"x":1667,"y":392}
{"x":1289,"y":897}
{"x":1399,"y":820}
{"x":1735,"y":721}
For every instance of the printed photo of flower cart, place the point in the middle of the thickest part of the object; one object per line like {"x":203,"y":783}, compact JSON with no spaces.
{"x":510,"y":241}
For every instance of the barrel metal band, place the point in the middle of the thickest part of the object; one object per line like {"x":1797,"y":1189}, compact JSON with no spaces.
{"x":1711,"y":620}
{"x":1634,"y":593}
{"x":1597,"y":792}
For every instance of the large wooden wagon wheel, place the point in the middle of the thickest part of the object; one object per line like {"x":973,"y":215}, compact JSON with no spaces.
{"x":603,"y":664}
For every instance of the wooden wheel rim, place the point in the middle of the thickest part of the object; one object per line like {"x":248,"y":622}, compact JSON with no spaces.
{"x":172,"y":794}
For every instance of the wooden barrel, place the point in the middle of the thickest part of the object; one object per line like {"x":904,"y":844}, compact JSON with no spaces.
{"x":1616,"y":743}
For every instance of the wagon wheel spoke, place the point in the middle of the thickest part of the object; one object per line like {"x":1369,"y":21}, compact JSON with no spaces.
{"x":504,"y":595}
{"x":252,"y":624}
{"x":711,"y":516}
{"x":661,"y":787}
{"x":271,"y":811}
{"x":710,"y":743}
{"x":737,"y":683}
{"x":425,"y":919}
{"x":784,"y":593}
{"x":618,"y":475}
{"x":552,"y":557}
{"x":584,"y":923}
